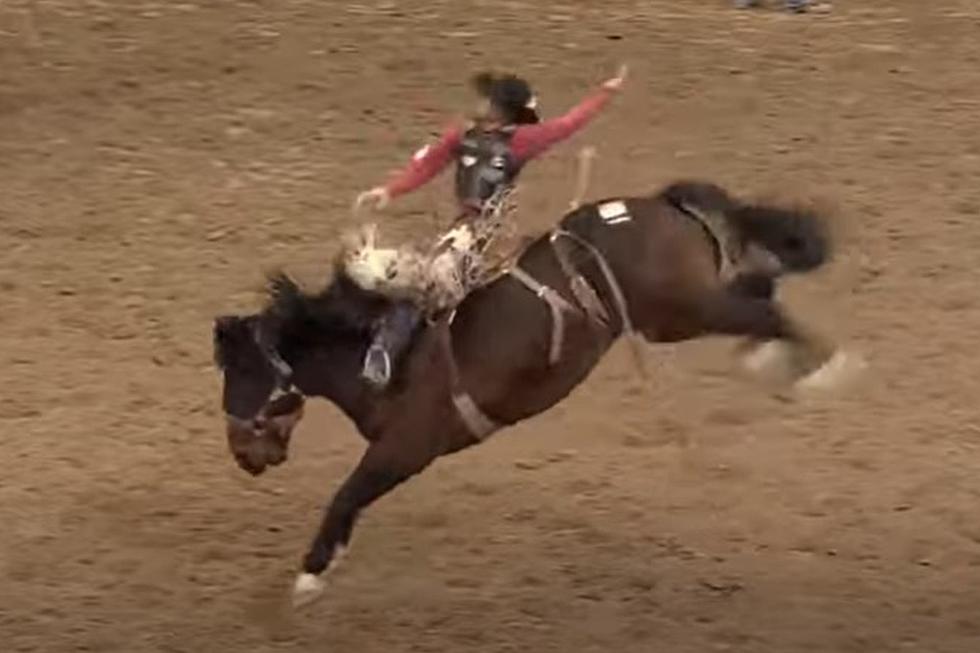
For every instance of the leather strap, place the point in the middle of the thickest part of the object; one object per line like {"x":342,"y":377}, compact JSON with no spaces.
{"x":584,"y":293}
{"x":555,"y":302}
{"x":618,"y":296}
{"x":481,"y":426}
{"x":476,"y":421}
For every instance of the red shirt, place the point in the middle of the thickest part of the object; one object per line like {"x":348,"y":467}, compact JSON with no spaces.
{"x":527,"y":142}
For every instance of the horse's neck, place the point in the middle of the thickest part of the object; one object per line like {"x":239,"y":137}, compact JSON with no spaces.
{"x":334,"y":374}
{"x":326,"y":352}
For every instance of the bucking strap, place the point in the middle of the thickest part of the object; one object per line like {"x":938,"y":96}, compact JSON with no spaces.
{"x":720,"y":232}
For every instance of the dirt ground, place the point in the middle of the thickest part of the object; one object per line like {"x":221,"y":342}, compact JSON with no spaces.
{"x":156,"y":157}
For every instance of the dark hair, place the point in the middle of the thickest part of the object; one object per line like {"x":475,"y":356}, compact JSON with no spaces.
{"x":508,"y":94}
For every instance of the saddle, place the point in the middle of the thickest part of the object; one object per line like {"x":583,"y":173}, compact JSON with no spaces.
{"x":437,"y":277}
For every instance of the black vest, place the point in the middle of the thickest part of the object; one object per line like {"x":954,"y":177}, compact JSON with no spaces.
{"x":484,"y":165}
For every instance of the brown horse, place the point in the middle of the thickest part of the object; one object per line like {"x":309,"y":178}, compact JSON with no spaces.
{"x":687,"y":262}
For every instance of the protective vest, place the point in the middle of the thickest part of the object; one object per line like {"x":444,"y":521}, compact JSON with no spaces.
{"x":485,"y":165}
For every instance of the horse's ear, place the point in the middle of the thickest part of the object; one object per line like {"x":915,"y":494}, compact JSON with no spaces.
{"x":225,"y":326}
{"x":226,"y":331}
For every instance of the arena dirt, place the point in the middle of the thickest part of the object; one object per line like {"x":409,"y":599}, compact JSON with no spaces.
{"x":156,"y":157}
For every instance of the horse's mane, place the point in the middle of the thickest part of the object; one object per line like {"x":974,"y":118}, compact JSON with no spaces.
{"x":341,"y":308}
{"x":341,"y":311}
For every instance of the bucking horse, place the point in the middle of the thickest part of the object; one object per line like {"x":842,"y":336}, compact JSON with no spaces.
{"x":686,"y":262}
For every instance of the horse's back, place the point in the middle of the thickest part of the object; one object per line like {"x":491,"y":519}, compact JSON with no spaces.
{"x":646,"y":239}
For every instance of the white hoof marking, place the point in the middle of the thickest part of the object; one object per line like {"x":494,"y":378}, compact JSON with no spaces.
{"x":773,"y":361}
{"x":307,"y":589}
{"x":338,"y":556}
{"x":841,"y":368}
{"x":768,"y":356}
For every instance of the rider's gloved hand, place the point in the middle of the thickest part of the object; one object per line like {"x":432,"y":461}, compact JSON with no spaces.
{"x":379,"y":196}
{"x":615,"y":84}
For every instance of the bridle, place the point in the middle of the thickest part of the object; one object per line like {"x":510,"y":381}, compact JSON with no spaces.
{"x":281,"y":370}
{"x":283,"y":382}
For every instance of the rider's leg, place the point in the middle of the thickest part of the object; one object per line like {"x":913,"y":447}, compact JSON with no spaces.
{"x":391,"y":338}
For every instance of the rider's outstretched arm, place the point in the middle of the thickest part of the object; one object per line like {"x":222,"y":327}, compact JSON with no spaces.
{"x":425,"y":164}
{"x":531,"y":141}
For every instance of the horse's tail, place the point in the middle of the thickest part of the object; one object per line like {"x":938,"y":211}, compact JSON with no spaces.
{"x":799,"y":238}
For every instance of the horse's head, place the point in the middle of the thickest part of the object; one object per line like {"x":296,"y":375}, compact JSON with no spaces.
{"x":323,"y":334}
{"x":261,"y":408}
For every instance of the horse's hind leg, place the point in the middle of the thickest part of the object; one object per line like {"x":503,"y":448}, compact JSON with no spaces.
{"x":813,"y":362}
{"x":761,"y":320}
{"x":379,"y":471}
{"x":758,"y":356}
{"x":754,"y":285}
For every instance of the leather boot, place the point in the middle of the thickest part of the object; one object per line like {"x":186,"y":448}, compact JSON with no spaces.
{"x":391,"y":338}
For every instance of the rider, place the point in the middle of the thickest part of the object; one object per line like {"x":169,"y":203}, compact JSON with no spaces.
{"x":489,"y":154}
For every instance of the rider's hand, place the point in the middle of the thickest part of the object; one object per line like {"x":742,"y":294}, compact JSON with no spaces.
{"x":615,"y":84}
{"x":379,"y":196}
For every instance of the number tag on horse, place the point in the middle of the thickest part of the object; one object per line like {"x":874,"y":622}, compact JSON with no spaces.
{"x":614,"y":212}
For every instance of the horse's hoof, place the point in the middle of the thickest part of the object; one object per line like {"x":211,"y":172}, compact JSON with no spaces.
{"x":307,"y":589}
{"x":773,"y":359}
{"x":764,"y":356}
{"x":839,"y":370}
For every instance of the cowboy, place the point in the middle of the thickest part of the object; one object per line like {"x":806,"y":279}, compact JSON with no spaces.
{"x":489,"y":154}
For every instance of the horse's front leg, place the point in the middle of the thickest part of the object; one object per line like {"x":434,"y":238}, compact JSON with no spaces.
{"x":380,"y":470}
